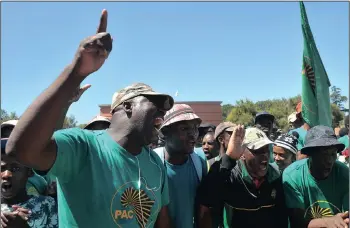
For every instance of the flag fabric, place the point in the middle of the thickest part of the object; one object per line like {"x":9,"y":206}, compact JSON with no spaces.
{"x":316,"y":106}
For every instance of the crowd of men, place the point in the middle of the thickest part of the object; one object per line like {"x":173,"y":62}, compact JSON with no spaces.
{"x":154,"y":165}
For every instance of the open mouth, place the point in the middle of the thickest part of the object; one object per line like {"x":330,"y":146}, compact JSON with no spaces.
{"x":263,"y":166}
{"x":6,"y":186}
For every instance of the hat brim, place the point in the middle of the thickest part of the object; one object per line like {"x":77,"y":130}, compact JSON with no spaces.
{"x":322,"y":143}
{"x":168,"y":103}
{"x":259,"y":144}
{"x":168,"y":100}
{"x":183,"y":117}
{"x":7,"y":125}
{"x":230,"y":129}
{"x":264,"y":115}
{"x":95,"y":121}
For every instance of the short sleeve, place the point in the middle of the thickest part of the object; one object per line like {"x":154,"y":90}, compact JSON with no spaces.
{"x":72,"y":152}
{"x":165,"y":192}
{"x":293,"y":197}
{"x":346,"y":202}
{"x":210,"y":189}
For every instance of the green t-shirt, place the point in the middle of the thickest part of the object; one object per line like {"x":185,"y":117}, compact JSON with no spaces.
{"x":345,"y":141}
{"x":98,"y":182}
{"x":318,"y":198}
{"x":36,"y":185}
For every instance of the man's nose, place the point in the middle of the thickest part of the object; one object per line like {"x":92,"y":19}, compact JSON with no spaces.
{"x":277,"y":158}
{"x":6,"y":174}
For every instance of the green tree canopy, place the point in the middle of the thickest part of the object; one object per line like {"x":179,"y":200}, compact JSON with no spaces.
{"x":337,"y":98}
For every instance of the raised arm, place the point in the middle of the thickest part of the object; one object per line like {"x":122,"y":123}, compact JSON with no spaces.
{"x":31,"y":141}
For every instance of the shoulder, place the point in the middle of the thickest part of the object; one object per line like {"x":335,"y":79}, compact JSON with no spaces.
{"x":294,"y":171}
{"x":156,"y":153}
{"x":200,"y":153}
{"x":342,"y":171}
{"x":274,"y":173}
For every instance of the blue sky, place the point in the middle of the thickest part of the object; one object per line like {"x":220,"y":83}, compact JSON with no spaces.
{"x":205,"y":50}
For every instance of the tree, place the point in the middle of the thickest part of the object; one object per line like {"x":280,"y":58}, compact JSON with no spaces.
{"x":244,"y":111}
{"x":82,"y":126}
{"x":70,"y":122}
{"x":226,"y":109}
{"x":337,"y":115}
{"x":5,"y":116}
{"x":337,"y":98}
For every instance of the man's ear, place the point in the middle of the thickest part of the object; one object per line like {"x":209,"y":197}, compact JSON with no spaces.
{"x":127,"y":107}
{"x":221,"y":140}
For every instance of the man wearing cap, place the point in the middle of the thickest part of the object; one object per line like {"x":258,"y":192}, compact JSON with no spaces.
{"x":7,"y":127}
{"x":185,"y":168}
{"x":264,"y":121}
{"x":104,"y":178}
{"x":203,"y":129}
{"x":317,"y":188}
{"x":249,"y":187}
{"x":294,"y":121}
{"x":284,"y":150}
{"x":98,"y":123}
{"x":302,"y":130}
{"x":223,"y":134}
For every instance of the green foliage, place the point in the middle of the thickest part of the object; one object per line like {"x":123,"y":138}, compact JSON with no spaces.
{"x":337,"y":98}
{"x":244,"y":111}
{"x":82,"y":126}
{"x":226,"y":109}
{"x":5,"y":116}
{"x":70,"y":122}
{"x":337,"y":115}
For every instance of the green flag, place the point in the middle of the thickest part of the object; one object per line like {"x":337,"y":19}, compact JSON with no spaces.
{"x":316,"y":106}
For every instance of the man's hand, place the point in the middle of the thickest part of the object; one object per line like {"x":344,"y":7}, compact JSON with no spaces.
{"x":13,"y":220}
{"x":235,"y":146}
{"x":93,"y":50}
{"x":78,"y":93}
{"x":340,"y":220}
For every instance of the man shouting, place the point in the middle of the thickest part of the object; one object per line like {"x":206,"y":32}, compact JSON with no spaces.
{"x":104,"y":178}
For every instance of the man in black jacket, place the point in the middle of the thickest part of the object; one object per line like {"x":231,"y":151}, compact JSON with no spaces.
{"x":249,"y":187}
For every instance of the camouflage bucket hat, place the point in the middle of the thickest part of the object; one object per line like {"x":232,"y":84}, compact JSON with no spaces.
{"x":321,"y":136}
{"x":179,"y":112}
{"x":139,"y":89}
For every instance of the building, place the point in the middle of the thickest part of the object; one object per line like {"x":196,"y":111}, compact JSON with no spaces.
{"x":208,"y":111}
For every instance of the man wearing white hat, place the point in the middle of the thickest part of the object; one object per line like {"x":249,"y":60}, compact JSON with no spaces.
{"x":98,"y":123}
{"x":7,"y":127}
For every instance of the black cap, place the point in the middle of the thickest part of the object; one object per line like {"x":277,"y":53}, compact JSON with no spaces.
{"x":264,"y":114}
{"x":321,"y":136}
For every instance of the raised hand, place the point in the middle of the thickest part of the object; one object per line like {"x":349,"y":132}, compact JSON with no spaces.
{"x":79,"y":92}
{"x":93,"y":50}
{"x":235,"y":146}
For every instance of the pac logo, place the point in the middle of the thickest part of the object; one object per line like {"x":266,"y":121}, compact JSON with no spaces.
{"x":320,"y":209}
{"x":134,"y":207}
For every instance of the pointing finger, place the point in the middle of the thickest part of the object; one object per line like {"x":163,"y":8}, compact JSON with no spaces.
{"x":84,"y":88}
{"x":102,"y":27}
